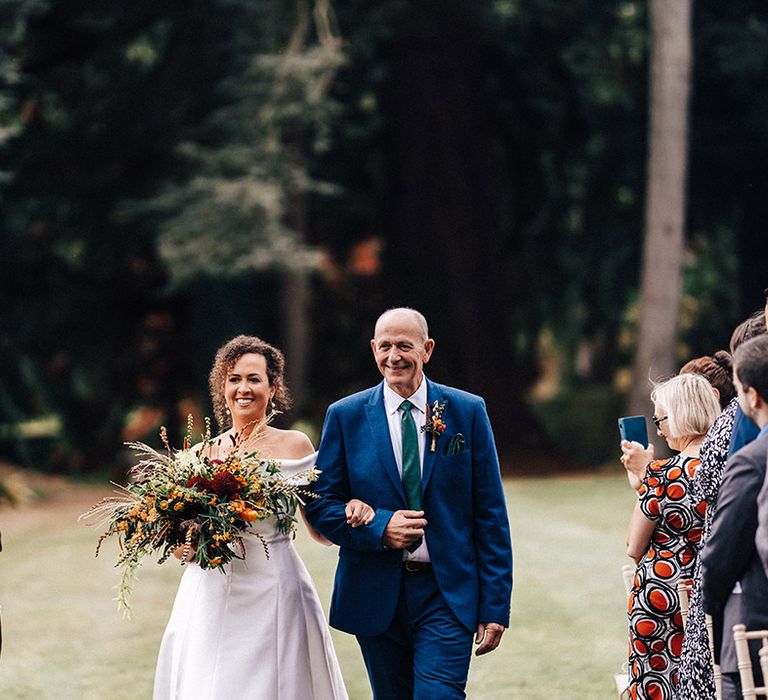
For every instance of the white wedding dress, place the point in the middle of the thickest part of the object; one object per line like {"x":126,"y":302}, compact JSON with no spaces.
{"x":256,"y":632}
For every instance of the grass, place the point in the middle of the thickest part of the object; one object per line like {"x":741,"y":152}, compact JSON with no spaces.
{"x":64,"y":639}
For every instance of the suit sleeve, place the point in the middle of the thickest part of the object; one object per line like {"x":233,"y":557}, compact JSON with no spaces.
{"x":491,"y":525}
{"x":326,"y":512}
{"x":731,"y":544}
{"x":761,"y":539}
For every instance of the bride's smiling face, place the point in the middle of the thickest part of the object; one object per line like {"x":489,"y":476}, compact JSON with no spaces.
{"x":247,"y":390}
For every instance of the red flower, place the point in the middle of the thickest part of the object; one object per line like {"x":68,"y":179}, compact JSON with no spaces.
{"x":200,"y":483}
{"x":224,"y":483}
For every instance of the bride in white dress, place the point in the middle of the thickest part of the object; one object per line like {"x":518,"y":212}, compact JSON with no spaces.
{"x":257,"y":631}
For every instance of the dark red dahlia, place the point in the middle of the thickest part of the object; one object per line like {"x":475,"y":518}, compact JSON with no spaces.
{"x":224,"y":484}
{"x":200,"y":483}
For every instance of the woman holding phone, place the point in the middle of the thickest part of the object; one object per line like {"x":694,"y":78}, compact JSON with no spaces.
{"x":664,"y":531}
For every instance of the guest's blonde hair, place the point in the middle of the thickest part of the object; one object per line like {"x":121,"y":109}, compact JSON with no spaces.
{"x":690,"y":404}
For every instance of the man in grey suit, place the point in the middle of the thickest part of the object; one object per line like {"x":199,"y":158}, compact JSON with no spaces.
{"x":762,"y":500}
{"x":730,"y":563}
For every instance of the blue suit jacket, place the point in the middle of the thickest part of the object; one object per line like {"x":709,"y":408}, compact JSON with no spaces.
{"x":463,"y":501}
{"x":744,"y":431}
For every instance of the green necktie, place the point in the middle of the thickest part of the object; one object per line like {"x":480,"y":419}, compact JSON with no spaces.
{"x":411,"y":464}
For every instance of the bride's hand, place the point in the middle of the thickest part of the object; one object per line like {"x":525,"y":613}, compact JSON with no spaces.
{"x":358,"y":513}
{"x":179,"y":551}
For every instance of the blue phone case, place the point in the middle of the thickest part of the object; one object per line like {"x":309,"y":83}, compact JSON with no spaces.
{"x":633,"y":428}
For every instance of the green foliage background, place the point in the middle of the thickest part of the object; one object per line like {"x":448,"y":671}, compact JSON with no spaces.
{"x":175,"y":173}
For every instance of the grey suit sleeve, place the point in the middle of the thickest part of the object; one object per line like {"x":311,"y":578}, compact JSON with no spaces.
{"x":761,"y":539}
{"x":731,"y":544}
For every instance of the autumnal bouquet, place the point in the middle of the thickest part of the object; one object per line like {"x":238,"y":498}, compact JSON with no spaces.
{"x":186,"y":499}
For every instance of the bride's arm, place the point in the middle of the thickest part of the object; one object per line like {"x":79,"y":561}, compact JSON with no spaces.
{"x":297,"y":445}
{"x":314,"y":534}
{"x":358,"y":513}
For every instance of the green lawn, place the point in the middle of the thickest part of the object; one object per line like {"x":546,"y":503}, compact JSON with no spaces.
{"x":64,"y":639}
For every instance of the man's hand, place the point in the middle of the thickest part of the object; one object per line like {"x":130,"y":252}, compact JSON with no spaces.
{"x":404,"y":528}
{"x":488,"y":637}
{"x":358,"y":512}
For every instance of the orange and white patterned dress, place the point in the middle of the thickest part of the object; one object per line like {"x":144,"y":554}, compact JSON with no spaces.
{"x":655,"y":622}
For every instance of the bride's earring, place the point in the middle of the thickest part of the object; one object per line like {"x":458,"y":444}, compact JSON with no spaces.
{"x":270,"y":405}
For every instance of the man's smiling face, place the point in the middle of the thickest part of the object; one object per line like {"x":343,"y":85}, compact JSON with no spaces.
{"x":401,"y":351}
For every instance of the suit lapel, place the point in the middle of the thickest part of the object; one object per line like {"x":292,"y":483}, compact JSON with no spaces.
{"x":433,"y":394}
{"x":382,"y":443}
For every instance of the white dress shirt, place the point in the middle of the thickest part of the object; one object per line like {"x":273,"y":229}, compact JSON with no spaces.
{"x":392,"y":401}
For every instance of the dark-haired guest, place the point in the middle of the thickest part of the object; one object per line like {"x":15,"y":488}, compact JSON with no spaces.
{"x":696,"y":679}
{"x":729,"y":558}
{"x":744,"y":430}
{"x":762,"y":500}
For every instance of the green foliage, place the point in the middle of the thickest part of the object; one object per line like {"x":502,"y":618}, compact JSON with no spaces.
{"x":238,"y":210}
{"x":164,"y":167}
{"x":581,"y":422}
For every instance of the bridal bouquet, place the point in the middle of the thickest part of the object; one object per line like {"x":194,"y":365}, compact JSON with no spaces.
{"x":186,"y":499}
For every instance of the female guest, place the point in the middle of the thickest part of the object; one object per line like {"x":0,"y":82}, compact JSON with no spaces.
{"x":664,"y":533}
{"x":256,"y":631}
{"x":696,"y":675}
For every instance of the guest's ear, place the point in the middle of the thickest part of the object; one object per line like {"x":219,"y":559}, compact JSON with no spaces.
{"x":429,"y":346}
{"x":754,"y":400}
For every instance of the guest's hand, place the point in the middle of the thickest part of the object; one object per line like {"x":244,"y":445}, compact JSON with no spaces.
{"x":488,"y":637}
{"x":358,"y":513}
{"x":404,"y":528}
{"x":635,"y":459}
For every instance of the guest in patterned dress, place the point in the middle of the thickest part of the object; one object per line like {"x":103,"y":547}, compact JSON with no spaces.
{"x":696,"y":679}
{"x":664,"y":533}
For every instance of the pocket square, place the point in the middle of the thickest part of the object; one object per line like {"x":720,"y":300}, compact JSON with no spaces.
{"x":457,"y":445}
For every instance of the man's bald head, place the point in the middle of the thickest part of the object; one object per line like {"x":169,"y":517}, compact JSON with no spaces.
{"x":404,"y":314}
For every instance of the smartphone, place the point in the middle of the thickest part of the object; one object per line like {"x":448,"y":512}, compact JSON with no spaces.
{"x":633,"y":428}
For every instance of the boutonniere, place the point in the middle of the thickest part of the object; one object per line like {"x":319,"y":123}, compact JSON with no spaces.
{"x":435,"y":425}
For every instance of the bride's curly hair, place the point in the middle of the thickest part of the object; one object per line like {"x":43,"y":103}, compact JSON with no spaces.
{"x":226,"y":357}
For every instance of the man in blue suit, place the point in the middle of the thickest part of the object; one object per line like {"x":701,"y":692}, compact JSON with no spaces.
{"x":433,"y":567}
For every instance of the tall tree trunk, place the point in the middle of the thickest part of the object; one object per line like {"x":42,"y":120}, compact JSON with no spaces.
{"x":295,"y":330}
{"x":661,"y":285}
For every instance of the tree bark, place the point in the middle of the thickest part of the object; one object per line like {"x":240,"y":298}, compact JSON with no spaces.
{"x":661,"y":282}
{"x":295,"y":329}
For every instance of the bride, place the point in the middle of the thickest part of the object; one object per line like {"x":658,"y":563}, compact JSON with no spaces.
{"x":256,"y":631}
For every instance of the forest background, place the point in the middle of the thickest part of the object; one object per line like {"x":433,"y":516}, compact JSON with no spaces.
{"x":175,"y":173}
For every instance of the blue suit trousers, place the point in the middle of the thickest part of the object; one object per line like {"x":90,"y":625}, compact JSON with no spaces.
{"x":425,"y":652}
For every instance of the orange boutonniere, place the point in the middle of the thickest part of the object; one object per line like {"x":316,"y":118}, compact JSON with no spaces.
{"x":435,"y":424}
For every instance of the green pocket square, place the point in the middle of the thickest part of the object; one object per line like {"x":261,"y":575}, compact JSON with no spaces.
{"x":457,"y":445}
